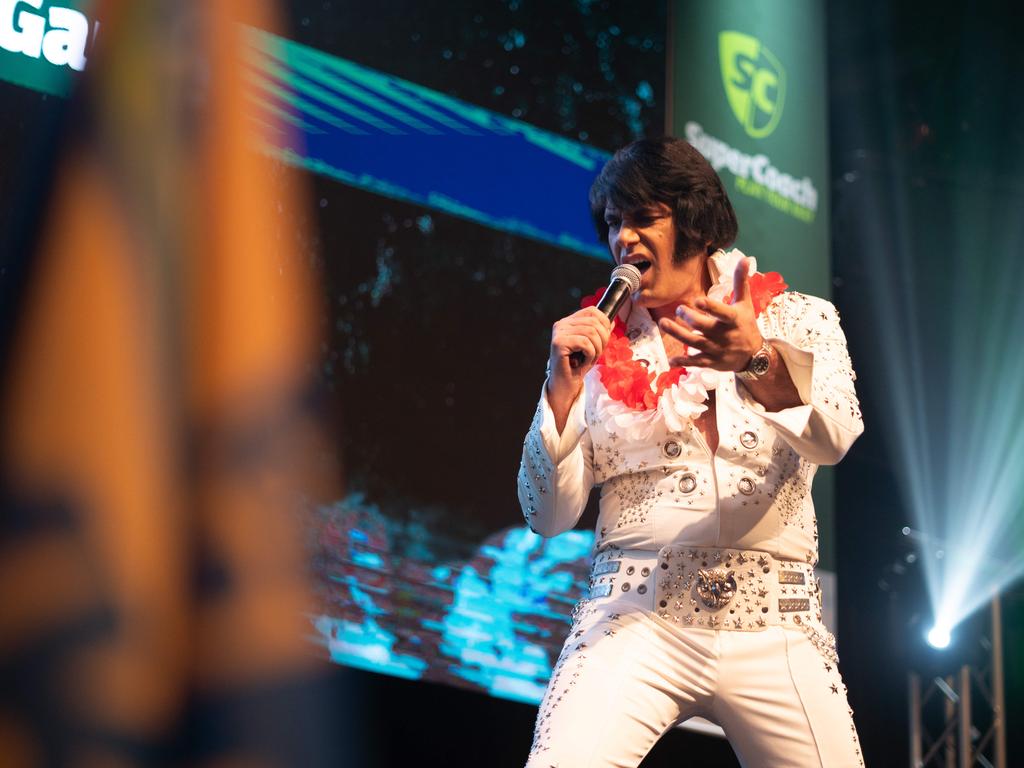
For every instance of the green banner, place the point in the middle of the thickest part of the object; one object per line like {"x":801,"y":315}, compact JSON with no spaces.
{"x":747,"y":87}
{"x":748,"y":90}
{"x":44,"y":44}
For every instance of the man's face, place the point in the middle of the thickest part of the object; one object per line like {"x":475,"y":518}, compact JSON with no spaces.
{"x":646,"y":238}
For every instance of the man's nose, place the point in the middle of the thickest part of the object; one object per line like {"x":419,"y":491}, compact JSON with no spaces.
{"x":627,"y":235}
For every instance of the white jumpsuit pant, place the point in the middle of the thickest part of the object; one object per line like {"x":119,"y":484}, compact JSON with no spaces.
{"x":625,"y":676}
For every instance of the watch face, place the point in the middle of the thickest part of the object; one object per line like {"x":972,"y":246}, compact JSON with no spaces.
{"x":760,"y":364}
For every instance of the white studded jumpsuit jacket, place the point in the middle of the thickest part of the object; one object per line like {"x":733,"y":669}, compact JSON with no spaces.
{"x":624,"y":675}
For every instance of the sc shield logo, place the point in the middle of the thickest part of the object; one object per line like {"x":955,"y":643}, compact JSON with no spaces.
{"x":755,"y":82}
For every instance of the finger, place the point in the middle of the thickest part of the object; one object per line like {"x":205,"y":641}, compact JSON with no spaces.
{"x":583,"y":344}
{"x":692,"y":316}
{"x":595,"y":313}
{"x":741,"y":281}
{"x":593,"y":335}
{"x":691,"y":361}
{"x":595,"y":331}
{"x":598,"y":337}
{"x":585,"y":319}
{"x":600,"y":322}
{"x":563,"y":333}
{"x":684,"y":334}
{"x":717,"y":309}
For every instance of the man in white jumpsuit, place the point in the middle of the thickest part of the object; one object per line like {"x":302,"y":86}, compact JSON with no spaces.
{"x":702,"y":414}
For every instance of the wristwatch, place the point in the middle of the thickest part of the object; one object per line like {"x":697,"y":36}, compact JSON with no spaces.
{"x":759,"y":364}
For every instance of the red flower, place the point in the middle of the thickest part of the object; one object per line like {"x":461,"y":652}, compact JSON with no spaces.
{"x":593,"y":299}
{"x":764,"y":286}
{"x":628,"y":381}
{"x":669,"y":378}
{"x":617,"y":351}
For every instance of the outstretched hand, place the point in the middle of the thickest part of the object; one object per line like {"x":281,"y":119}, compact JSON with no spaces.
{"x":725,"y":336}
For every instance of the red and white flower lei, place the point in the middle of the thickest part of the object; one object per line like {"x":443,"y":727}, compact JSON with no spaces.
{"x":636,"y":397}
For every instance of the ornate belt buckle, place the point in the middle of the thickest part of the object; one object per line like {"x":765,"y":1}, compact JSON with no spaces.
{"x":715,"y":586}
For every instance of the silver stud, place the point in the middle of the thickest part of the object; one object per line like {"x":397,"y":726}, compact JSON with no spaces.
{"x":671,"y":449}
{"x":748,"y":439}
{"x":641,"y":589}
{"x":746,"y":486}
{"x":688,"y":483}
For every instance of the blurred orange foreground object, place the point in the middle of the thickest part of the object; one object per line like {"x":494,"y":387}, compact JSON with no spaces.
{"x":158,"y":437}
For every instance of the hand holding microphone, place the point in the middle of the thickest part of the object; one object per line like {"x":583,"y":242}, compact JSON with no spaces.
{"x":625,"y":280}
{"x":579,"y":339}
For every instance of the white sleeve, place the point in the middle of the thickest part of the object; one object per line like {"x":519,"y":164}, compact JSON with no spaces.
{"x":806,"y":332}
{"x":557,"y":471}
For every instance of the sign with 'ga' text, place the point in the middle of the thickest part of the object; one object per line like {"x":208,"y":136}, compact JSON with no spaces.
{"x":45,"y":43}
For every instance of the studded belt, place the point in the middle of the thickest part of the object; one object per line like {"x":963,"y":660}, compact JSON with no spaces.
{"x":734,"y":589}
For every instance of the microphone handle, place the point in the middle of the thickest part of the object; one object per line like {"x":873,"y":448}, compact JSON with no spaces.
{"x":614,"y":295}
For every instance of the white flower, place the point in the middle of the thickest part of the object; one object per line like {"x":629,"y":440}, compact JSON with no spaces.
{"x":726,"y":263}
{"x":632,"y":424}
{"x":678,"y":404}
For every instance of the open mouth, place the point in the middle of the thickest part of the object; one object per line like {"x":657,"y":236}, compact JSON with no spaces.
{"x":643,"y":265}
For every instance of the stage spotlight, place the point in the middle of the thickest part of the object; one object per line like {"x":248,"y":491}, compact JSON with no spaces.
{"x":938,"y":637}
{"x":956,"y":443}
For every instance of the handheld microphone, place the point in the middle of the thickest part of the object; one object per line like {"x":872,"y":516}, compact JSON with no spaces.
{"x":624,"y":281}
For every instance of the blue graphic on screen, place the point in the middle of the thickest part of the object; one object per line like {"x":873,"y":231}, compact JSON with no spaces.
{"x":402,"y":140}
{"x":494,"y":618}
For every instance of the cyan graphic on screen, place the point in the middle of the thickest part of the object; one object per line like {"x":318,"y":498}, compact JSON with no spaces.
{"x":491,"y":629}
{"x":494,"y":622}
{"x":395,"y":138}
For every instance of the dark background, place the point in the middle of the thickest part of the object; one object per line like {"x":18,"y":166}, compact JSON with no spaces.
{"x":437,"y":328}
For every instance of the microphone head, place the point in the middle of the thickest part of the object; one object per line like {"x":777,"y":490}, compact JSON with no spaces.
{"x":630,"y":274}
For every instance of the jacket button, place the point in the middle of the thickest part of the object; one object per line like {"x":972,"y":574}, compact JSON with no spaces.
{"x":746,"y":486}
{"x":629,"y":570}
{"x":642,"y":589}
{"x":671,"y":449}
{"x":625,"y":586}
{"x":645,"y":571}
{"x":748,"y":440}
{"x":688,"y":483}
